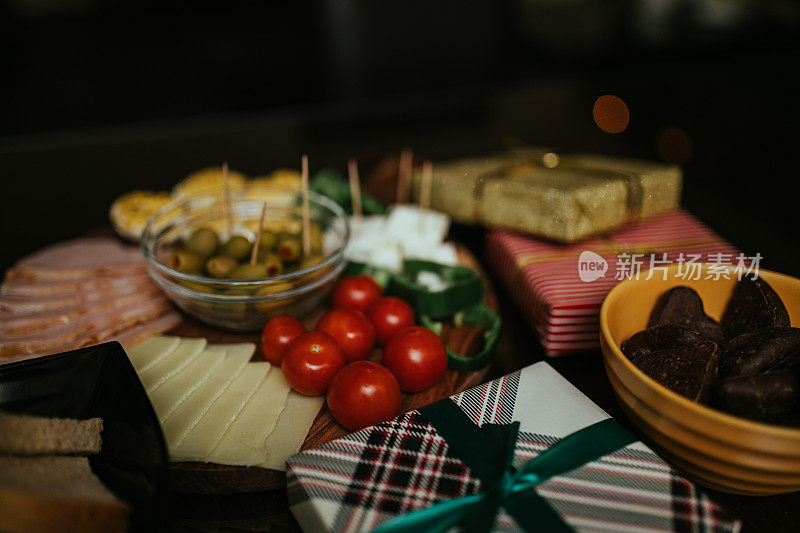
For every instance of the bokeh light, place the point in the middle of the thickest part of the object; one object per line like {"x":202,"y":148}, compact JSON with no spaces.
{"x":674,"y":146}
{"x":611,"y":114}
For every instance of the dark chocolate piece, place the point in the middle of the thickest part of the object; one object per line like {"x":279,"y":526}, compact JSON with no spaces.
{"x":687,"y":370}
{"x":659,"y":338}
{"x":753,"y":305}
{"x":760,"y":351}
{"x":772,"y":397}
{"x":682,"y":306}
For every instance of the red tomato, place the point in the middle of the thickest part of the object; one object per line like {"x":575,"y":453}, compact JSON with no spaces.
{"x":390,"y":315}
{"x":311,"y":361}
{"x":417,"y":358}
{"x":278,"y":334}
{"x":362,"y":394}
{"x":356,"y":292}
{"x":351,"y":330}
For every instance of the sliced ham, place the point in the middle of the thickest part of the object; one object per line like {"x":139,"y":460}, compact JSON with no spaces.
{"x":128,"y":338}
{"x":80,"y":258}
{"x":24,"y":324}
{"x":85,"y":330}
{"x":13,"y":288}
{"x":133,"y":336}
{"x":41,"y":304}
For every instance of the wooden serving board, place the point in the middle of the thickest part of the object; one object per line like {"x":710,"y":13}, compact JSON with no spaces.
{"x":210,"y":478}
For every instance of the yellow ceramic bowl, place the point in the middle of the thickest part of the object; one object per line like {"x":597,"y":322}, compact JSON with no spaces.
{"x":716,"y":449}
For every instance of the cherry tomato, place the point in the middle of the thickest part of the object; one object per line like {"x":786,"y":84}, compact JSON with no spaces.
{"x":362,"y":394}
{"x":311,"y":361}
{"x":351,"y":330}
{"x":390,"y":315}
{"x":417,"y":358}
{"x":278,"y":334}
{"x":356,"y":292}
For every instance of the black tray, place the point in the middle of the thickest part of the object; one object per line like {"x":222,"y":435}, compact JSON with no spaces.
{"x":99,"y":381}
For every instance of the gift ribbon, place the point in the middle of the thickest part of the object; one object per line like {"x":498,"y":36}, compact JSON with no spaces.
{"x":489,"y":453}
{"x":617,"y":248}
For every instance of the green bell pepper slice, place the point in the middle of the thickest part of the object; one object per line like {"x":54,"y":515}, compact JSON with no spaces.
{"x":381,"y":276}
{"x":329,"y":182}
{"x":480,"y":315}
{"x":464,"y":288}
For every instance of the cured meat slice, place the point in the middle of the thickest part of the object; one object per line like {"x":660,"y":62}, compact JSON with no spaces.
{"x":86,"y":330}
{"x":85,"y":257}
{"x":23,"y":289}
{"x":40,"y":304}
{"x":128,"y":338}
{"x":137,"y":334}
{"x":25,"y":324}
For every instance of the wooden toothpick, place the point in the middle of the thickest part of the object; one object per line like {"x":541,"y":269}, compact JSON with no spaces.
{"x":404,"y":176}
{"x":306,"y":214}
{"x":425,"y":185}
{"x":257,"y":241}
{"x":226,"y":194}
{"x":355,"y":188}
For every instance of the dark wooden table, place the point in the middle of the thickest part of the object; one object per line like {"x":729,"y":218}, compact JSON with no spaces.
{"x":63,"y":184}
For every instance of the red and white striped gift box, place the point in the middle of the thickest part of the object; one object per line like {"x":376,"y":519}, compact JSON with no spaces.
{"x":562,"y":308}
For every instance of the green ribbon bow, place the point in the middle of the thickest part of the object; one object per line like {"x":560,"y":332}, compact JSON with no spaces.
{"x":489,"y":453}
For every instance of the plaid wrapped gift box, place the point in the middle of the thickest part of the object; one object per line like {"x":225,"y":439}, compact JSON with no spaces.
{"x":564,"y":309}
{"x":363,"y":480}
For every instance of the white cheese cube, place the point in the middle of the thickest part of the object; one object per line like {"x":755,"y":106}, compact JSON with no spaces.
{"x":413,"y":227}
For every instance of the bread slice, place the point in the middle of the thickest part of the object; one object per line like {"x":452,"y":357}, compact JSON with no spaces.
{"x":33,"y":435}
{"x":56,"y":494}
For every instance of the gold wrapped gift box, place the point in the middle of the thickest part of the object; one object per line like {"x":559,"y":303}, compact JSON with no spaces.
{"x":563,"y":197}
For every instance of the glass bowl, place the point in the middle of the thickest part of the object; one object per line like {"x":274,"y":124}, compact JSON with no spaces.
{"x":245,"y":305}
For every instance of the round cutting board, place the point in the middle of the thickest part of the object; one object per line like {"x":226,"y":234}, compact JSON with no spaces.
{"x":210,"y":478}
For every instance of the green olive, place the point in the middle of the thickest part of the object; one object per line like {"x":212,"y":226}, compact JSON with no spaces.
{"x":185,"y":262}
{"x":288,"y":248}
{"x":237,"y":291}
{"x":220,"y":266}
{"x":199,"y":287}
{"x":237,"y":247}
{"x":316,"y":238}
{"x":272,"y":262}
{"x":203,"y":242}
{"x":268,"y":240}
{"x":271,"y":305}
{"x":310,"y":261}
{"x":248,"y":271}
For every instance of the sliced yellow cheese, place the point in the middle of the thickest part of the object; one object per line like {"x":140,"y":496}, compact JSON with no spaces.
{"x":172,"y":392}
{"x":181,"y":421}
{"x":245,"y":441}
{"x":173,"y":363}
{"x":291,"y":430}
{"x":197,"y":445}
{"x":152,"y":350}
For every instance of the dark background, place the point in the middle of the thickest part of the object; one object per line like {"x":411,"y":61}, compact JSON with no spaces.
{"x":99,"y":98}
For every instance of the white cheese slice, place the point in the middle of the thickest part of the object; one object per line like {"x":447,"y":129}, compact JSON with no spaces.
{"x":245,"y":441}
{"x":197,"y":445}
{"x":173,"y":363}
{"x":172,"y":392}
{"x":181,"y":421}
{"x":291,"y":430}
{"x":152,"y":350}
